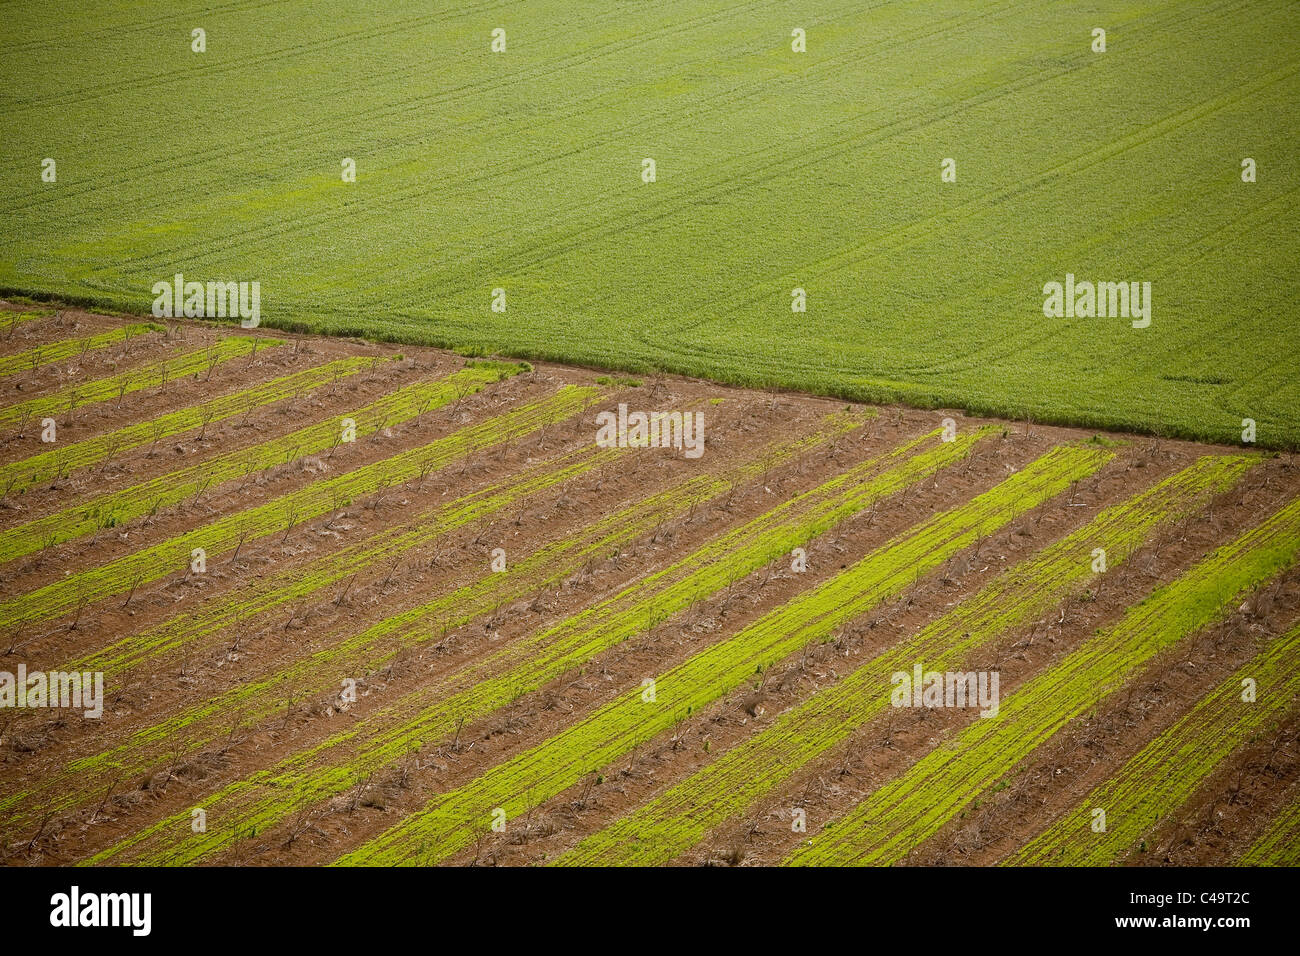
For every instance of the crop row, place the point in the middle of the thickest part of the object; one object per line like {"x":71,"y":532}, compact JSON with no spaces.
{"x":454,"y":820}
{"x":183,"y":733}
{"x":229,"y":533}
{"x":1279,"y":844}
{"x":235,"y":612}
{"x":68,"y":400}
{"x":676,"y":820}
{"x":39,"y":355}
{"x":119,"y":507}
{"x":63,"y":460}
{"x":1169,"y":769}
{"x":913,"y":806}
{"x":15,"y":318}
{"x":477,"y":689}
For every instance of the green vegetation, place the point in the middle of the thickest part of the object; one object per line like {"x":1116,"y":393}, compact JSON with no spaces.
{"x":453,"y":820}
{"x":284,"y":513}
{"x":40,"y":355}
{"x":775,"y":170}
{"x":905,"y":811}
{"x":1168,"y":770}
{"x":18,"y":476}
{"x":676,"y":820}
{"x":1279,"y":844}
{"x":66,"y":401}
{"x":480,"y":687}
{"x":119,"y":507}
{"x":11,"y":319}
{"x":201,"y":724}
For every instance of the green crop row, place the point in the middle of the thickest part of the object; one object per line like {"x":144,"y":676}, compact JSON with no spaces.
{"x":199,"y":725}
{"x":1168,"y":770}
{"x":64,"y":460}
{"x":453,"y":820}
{"x":908,"y":809}
{"x":1279,"y":844}
{"x":119,"y":507}
{"x":34,"y":358}
{"x":284,"y":513}
{"x":671,"y":823}
{"x":262,"y":595}
{"x":14,"y":318}
{"x":68,"y":400}
{"x":434,"y":712}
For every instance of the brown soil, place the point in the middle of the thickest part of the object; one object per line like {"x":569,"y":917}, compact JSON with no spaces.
{"x":35,"y":746}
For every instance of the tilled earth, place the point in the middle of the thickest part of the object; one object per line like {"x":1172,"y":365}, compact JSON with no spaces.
{"x":209,"y":718}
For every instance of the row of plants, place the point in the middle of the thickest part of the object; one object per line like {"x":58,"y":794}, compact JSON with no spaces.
{"x":31,"y":359}
{"x":1279,"y":844}
{"x":454,"y":820}
{"x":148,"y":498}
{"x":66,"y":401}
{"x":736,"y":781}
{"x":66,"y":459}
{"x":914,"y":805}
{"x":1166,"y":772}
{"x":230,"y":532}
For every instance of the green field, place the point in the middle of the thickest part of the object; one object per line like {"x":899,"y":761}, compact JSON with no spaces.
{"x":522,"y":170}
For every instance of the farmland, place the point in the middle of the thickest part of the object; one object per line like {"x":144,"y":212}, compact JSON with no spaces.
{"x":820,"y":170}
{"x":469,"y":633}
{"x":678,"y":434}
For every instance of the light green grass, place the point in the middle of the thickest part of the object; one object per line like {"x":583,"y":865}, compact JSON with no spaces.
{"x":1166,"y":772}
{"x":66,"y":401}
{"x":671,"y":823}
{"x":284,"y":513}
{"x":820,"y":170}
{"x":453,"y":820}
{"x":916,"y":804}
{"x":146,"y":498}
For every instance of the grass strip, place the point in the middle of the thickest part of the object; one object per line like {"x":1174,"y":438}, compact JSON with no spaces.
{"x":10,"y":320}
{"x":33,"y":358}
{"x":436,"y":711}
{"x":1279,"y":844}
{"x":262,"y":595}
{"x":1167,"y":771}
{"x":255,"y":698}
{"x":119,"y":507}
{"x":64,"y":460}
{"x":453,"y":820}
{"x":913,"y":806}
{"x":284,"y":513}
{"x":68,"y":400}
{"x":673,"y":822}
